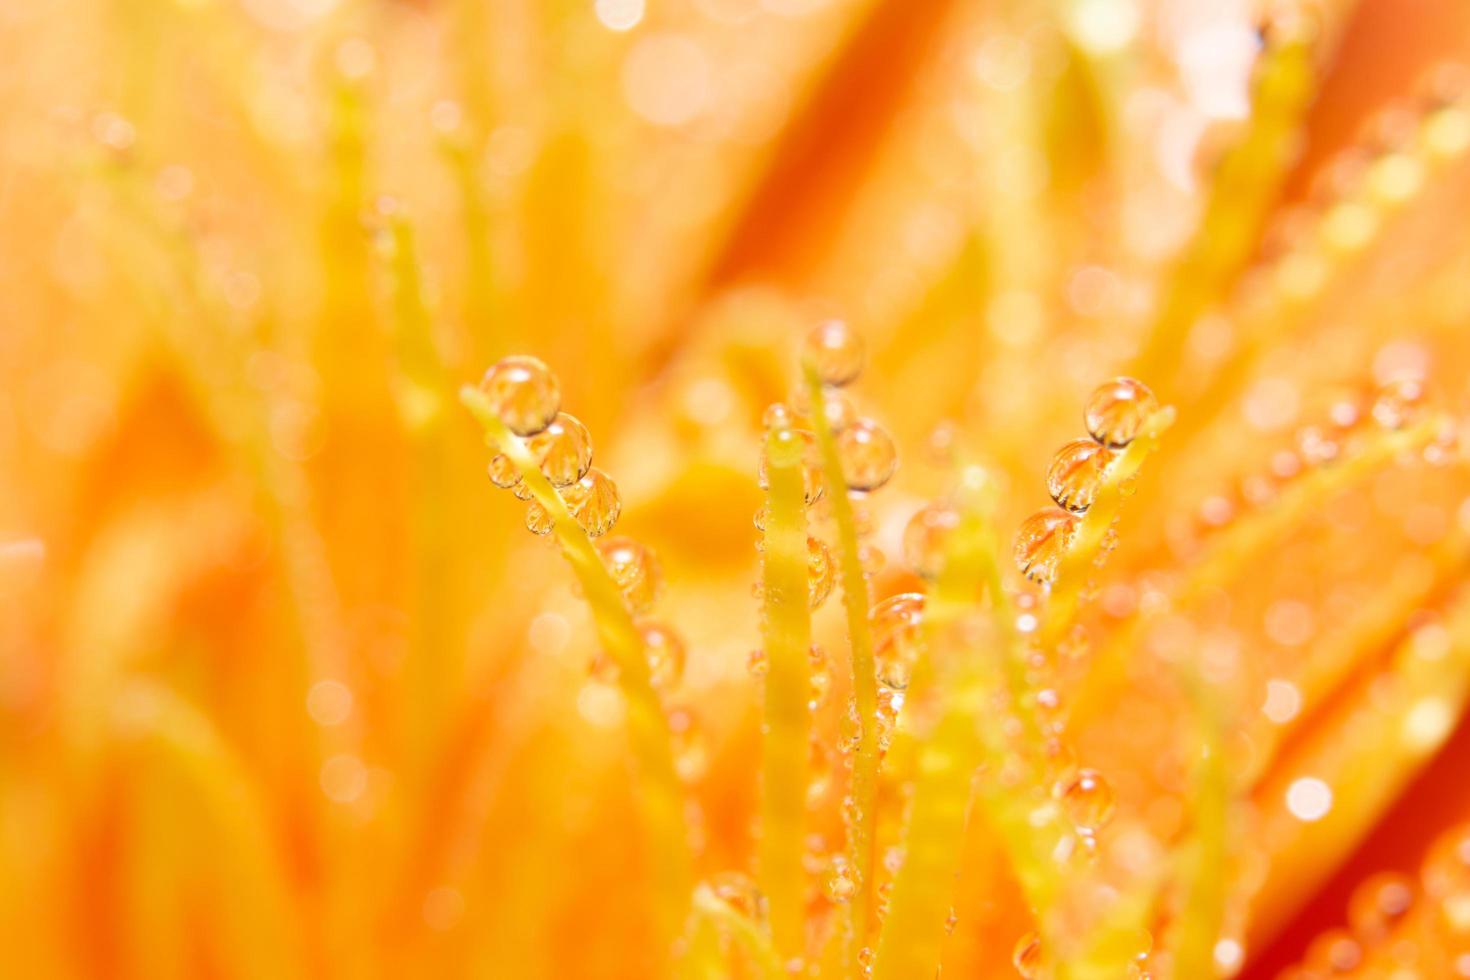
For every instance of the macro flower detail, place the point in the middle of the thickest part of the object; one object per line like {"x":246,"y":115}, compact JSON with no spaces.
{"x":707,"y":489}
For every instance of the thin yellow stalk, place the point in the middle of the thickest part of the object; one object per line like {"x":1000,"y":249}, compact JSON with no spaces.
{"x":1247,"y":539}
{"x":913,"y":934}
{"x":864,"y":789}
{"x":1204,"y":902}
{"x":1244,"y":190}
{"x":1072,"y":577}
{"x":750,"y":936}
{"x":663,"y":796}
{"x":788,"y":721}
{"x":261,"y":925}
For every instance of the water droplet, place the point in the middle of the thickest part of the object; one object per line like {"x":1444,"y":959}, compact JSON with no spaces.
{"x":1042,"y":541}
{"x":1088,"y":800}
{"x":521,"y":491}
{"x":950,"y":921}
{"x":1316,"y":446}
{"x":835,"y":352}
{"x":1398,"y":403}
{"x":1335,"y":952}
{"x":687,"y":739}
{"x":898,"y":638}
{"x":538,"y":519}
{"x":842,"y":880}
{"x":803,"y":443}
{"x":564,"y":449}
{"x":820,"y":571}
{"x":821,"y":677}
{"x":664,"y":651}
{"x":738,"y":890}
{"x":594,"y":502}
{"x":868,"y":455}
{"x":778,"y":416}
{"x":1026,"y":956}
{"x":1379,"y":903}
{"x":926,"y":537}
{"x":633,"y":568}
{"x":1076,"y":472}
{"x":757,"y":663}
{"x":1447,"y":865}
{"x":503,"y":472}
{"x":1117,"y":410}
{"x":523,"y":392}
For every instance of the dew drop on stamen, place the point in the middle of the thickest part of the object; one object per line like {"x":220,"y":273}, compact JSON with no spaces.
{"x":1379,"y":904}
{"x":633,"y":569}
{"x":1076,"y":472}
{"x":926,"y":536}
{"x":564,"y":449}
{"x":1398,"y":403}
{"x":1026,"y":956}
{"x":594,"y":502}
{"x":1117,"y":410}
{"x":842,"y":880}
{"x":898,"y":638}
{"x":503,"y":472}
{"x":664,"y":651}
{"x":1334,"y":952}
{"x":738,"y":890}
{"x":797,"y":441}
{"x":820,"y":570}
{"x":835,"y":352}
{"x":1446,"y":869}
{"x":867,"y":454}
{"x":1042,"y":541}
{"x":1088,"y":800}
{"x":523,"y":392}
{"x":538,"y":519}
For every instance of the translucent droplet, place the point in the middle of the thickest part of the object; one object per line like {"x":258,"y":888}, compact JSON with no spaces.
{"x":521,"y":491}
{"x":686,"y":738}
{"x":538,"y":519}
{"x":835,"y":352}
{"x":1398,"y":403}
{"x":594,"y":502}
{"x":898,"y":638}
{"x":1334,"y":952}
{"x":757,"y":663}
{"x":821,"y":677}
{"x":1447,"y":865}
{"x":842,"y":880}
{"x":1088,"y":800}
{"x":503,"y":472}
{"x":1316,"y":446}
{"x":564,"y":449}
{"x":1379,"y":904}
{"x":805,"y":443}
{"x":1026,"y":956}
{"x":837,"y":407}
{"x":926,"y":537}
{"x":523,"y":392}
{"x":821,"y":573}
{"x":867,"y":454}
{"x":738,"y":890}
{"x":1042,"y":541}
{"x":1076,"y":472}
{"x":778,"y":416}
{"x":1117,"y":410}
{"x":633,"y":568}
{"x":664,"y":651}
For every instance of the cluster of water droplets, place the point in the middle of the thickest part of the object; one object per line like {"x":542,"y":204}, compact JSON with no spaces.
{"x":526,"y":396}
{"x":1401,"y":924}
{"x":1348,"y":425}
